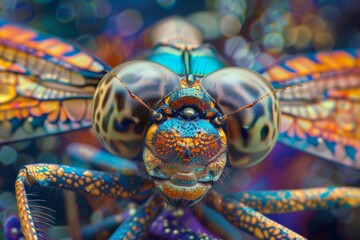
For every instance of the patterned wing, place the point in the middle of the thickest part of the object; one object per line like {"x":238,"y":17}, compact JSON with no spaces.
{"x":323,"y":116}
{"x":46,"y":84}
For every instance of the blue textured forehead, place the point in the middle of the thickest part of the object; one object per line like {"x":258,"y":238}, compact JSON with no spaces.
{"x":190,"y":92}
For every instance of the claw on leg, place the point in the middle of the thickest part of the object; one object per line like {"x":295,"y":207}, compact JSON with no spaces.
{"x":299,"y":200}
{"x":247,"y":219}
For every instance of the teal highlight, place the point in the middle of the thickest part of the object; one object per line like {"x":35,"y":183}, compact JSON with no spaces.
{"x":198,"y":62}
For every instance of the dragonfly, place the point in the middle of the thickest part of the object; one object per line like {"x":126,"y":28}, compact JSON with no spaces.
{"x":183,"y":116}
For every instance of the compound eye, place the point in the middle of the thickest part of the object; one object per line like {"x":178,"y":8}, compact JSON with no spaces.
{"x":252,"y":133}
{"x":119,"y":120}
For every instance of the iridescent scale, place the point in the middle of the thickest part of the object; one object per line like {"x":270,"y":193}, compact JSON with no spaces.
{"x":46,"y":84}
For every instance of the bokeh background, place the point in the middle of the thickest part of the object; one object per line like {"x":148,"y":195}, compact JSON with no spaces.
{"x":248,"y":33}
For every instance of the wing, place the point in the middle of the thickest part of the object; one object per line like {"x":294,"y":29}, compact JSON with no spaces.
{"x":323,"y":116}
{"x":46,"y":84}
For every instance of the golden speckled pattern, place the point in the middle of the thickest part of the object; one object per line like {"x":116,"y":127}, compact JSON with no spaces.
{"x":248,"y":220}
{"x":27,"y":222}
{"x":170,"y":143}
{"x":185,"y":155}
{"x":76,"y":179}
{"x":299,"y":200}
{"x":138,"y":225}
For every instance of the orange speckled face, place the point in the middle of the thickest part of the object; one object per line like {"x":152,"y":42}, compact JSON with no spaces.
{"x":185,"y":154}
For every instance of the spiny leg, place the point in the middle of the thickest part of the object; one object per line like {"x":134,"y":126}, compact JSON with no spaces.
{"x":138,"y":225}
{"x":247,"y":219}
{"x":299,"y":200}
{"x":75,"y":179}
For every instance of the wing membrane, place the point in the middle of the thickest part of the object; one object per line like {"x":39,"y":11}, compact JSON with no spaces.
{"x":323,"y":116}
{"x":46,"y":84}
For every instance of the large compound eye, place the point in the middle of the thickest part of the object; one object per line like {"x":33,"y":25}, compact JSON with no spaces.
{"x":252,"y":132}
{"x":120,"y":121}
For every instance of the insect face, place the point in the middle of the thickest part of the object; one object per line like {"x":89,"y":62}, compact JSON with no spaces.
{"x":176,"y":125}
{"x":184,"y":158}
{"x":185,"y":152}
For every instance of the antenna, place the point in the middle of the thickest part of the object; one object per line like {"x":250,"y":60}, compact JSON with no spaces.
{"x":156,"y":115}
{"x":220,"y":120}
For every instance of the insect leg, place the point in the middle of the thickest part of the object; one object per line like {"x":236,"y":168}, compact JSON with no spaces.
{"x":70,"y":178}
{"x":87,"y":154}
{"x":247,"y":219}
{"x":137,"y":226}
{"x":220,"y":227}
{"x":83,"y":154}
{"x":299,"y":200}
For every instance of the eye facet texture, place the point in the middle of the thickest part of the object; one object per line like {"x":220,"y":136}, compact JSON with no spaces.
{"x":253,"y":132}
{"x":119,"y":120}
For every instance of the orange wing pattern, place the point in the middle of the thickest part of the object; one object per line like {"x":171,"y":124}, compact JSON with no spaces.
{"x":46,"y":84}
{"x":323,"y":116}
